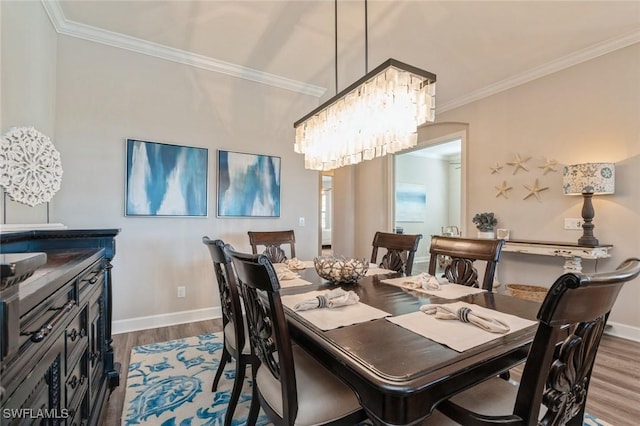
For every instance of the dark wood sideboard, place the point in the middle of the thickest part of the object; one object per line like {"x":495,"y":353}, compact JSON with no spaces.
{"x":56,"y":355}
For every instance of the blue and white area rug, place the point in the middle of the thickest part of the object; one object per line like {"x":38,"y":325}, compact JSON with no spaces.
{"x":169,"y":384}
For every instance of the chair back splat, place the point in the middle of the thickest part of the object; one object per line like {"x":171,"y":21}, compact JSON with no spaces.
{"x":582,"y":302}
{"x":461,"y":254}
{"x":272,"y":242}
{"x":401,"y":250}
{"x":555,"y":380}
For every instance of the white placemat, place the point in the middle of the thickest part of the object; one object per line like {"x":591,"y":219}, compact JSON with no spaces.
{"x":304,"y":263}
{"x":328,"y":319}
{"x":446,"y":291}
{"x":455,"y":334}
{"x":379,"y":271}
{"x":293,"y":283}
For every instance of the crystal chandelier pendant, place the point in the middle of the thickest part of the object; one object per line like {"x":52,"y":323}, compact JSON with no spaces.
{"x":375,"y":116}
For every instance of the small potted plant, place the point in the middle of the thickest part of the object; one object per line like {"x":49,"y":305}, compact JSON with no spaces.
{"x":485,"y":223}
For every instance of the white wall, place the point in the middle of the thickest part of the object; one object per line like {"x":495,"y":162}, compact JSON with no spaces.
{"x":589,"y":112}
{"x":433,"y":174}
{"x":586,"y":113}
{"x":106,"y":95}
{"x":28,"y":76}
{"x":103,"y":95}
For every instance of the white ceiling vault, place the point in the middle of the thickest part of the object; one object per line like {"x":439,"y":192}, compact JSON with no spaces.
{"x":476,"y":48}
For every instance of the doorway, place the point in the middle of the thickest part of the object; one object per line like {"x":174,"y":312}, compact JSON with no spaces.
{"x":427,"y":191}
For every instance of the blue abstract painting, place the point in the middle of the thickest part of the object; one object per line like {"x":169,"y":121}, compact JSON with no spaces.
{"x":166,"y":180}
{"x":248,"y":185}
{"x":411,"y":202}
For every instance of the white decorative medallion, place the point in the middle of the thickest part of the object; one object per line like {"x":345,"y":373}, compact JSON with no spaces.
{"x":30,"y":166}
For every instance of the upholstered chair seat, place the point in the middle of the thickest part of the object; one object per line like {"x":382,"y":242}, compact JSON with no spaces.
{"x":322,"y":397}
{"x":230,"y":338}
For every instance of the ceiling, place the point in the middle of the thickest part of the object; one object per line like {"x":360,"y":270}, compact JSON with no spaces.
{"x":475,"y":48}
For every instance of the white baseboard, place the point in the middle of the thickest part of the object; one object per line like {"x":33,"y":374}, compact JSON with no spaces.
{"x":164,"y":320}
{"x":624,"y":331}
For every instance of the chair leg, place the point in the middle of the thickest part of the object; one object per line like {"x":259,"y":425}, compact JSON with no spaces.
{"x":254,"y":409}
{"x":235,"y":393}
{"x":223,"y":361}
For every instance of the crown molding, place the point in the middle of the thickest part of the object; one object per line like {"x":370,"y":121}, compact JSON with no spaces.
{"x":97,"y":35}
{"x":570,"y":60}
{"x":110,"y":38}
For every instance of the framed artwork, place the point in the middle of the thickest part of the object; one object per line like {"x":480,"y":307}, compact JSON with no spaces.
{"x":411,"y":202}
{"x":248,"y":185}
{"x":166,"y":180}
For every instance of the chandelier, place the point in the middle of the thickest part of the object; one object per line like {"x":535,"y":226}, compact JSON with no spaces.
{"x":375,"y":116}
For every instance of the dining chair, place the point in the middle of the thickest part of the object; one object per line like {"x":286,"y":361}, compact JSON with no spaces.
{"x":272,"y":240}
{"x":401,"y":250}
{"x":236,"y":341}
{"x":462,"y":254}
{"x":291,"y":386}
{"x":555,"y":380}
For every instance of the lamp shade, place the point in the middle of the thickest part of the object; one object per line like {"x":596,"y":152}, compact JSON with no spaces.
{"x":589,"y":178}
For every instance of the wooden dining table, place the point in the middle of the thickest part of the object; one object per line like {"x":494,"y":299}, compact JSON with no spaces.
{"x":400,"y":376}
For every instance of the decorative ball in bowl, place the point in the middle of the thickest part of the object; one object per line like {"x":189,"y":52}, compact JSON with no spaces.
{"x":340,"y":270}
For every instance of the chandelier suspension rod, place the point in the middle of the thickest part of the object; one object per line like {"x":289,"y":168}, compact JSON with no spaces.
{"x":366,"y":38}
{"x":335,"y":14}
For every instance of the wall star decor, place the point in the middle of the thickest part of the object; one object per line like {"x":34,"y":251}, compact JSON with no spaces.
{"x":518,"y":163}
{"x":534,"y":190}
{"x":549,"y":166}
{"x":30,"y":166}
{"x":495,"y":169}
{"x":502,"y":189}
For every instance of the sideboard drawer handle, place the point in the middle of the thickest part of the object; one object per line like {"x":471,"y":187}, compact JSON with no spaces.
{"x":38,"y":336}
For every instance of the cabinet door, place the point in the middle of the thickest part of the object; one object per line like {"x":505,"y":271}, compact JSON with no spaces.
{"x":38,"y":399}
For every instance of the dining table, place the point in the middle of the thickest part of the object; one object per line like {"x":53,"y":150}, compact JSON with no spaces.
{"x":398,"y":375}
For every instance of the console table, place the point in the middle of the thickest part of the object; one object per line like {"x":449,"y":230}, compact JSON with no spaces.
{"x":56,"y":354}
{"x":572,"y":252}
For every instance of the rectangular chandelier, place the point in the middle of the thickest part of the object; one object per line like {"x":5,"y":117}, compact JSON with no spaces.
{"x":375,"y":116}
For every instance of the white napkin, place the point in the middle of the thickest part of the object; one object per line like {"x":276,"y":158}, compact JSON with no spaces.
{"x":425,"y":281}
{"x":286,"y":274}
{"x":465,"y":314}
{"x":331,"y":299}
{"x":295,"y":264}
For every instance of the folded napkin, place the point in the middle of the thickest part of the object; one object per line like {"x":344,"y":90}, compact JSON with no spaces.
{"x":286,"y":274}
{"x":425,"y":281}
{"x":295,"y":264}
{"x":465,"y":314}
{"x":331,"y":299}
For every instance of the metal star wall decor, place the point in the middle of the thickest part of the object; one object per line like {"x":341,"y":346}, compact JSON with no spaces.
{"x":534,"y":190}
{"x":518,"y":163}
{"x":495,"y":169}
{"x":502,"y":189}
{"x":549,"y":166}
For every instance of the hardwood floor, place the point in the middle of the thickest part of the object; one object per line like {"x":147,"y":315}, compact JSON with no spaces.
{"x":614,"y":393}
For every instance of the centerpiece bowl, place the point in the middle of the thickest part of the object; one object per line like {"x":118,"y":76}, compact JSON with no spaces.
{"x":341,"y":270}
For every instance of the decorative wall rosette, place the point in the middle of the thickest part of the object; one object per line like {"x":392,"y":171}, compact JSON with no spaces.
{"x":30,"y":166}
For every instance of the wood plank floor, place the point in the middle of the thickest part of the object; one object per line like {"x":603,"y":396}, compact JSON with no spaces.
{"x":614,"y":393}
